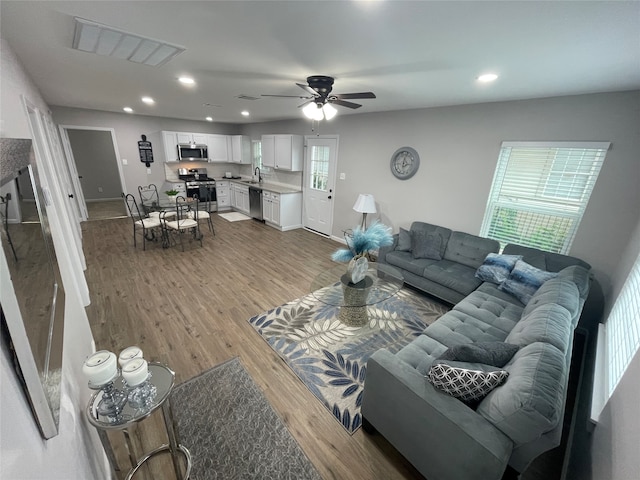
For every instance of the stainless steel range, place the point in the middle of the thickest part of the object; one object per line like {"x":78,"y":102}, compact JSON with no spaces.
{"x":200,"y":185}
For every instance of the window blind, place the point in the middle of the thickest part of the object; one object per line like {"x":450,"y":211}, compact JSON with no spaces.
{"x":540,"y":191}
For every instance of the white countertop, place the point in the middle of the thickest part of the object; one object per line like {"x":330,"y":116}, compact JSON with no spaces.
{"x":270,"y":187}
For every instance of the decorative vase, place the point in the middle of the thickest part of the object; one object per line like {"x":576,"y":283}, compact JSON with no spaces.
{"x":357,"y":269}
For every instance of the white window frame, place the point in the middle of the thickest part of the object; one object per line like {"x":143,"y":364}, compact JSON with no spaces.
{"x":529,"y":185}
{"x":256,"y":153}
{"x":618,"y":341}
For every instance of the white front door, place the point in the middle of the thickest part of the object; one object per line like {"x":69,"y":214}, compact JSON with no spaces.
{"x":318,"y":189}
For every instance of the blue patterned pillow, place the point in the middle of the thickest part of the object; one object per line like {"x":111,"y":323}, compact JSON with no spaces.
{"x":496,"y":268}
{"x":525,"y":280}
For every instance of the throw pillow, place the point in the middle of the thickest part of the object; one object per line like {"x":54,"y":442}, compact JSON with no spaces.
{"x":496,"y":268}
{"x":426,"y":245}
{"x":496,"y":354}
{"x":467,"y":384}
{"x":404,"y":241}
{"x":525,"y":280}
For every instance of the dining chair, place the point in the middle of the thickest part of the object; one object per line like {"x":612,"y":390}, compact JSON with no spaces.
{"x":141,"y":222}
{"x":182,"y":222}
{"x":202,"y":215}
{"x":149,"y":198}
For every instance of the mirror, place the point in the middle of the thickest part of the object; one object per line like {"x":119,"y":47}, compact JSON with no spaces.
{"x":36,"y":326}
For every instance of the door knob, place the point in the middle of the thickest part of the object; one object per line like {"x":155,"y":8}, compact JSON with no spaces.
{"x":71,"y":195}
{"x":329,"y":197}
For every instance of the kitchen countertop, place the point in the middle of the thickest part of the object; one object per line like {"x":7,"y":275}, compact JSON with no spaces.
{"x":270,"y":187}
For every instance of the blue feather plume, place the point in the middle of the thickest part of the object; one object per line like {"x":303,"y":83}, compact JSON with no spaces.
{"x":363,"y":241}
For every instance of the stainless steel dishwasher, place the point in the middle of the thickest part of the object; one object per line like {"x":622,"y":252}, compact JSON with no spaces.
{"x":255,"y":203}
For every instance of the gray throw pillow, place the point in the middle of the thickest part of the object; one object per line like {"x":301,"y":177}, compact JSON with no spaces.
{"x":467,"y":382}
{"x":496,"y":354}
{"x":496,"y":268}
{"x":426,"y":245}
{"x":404,"y":241}
{"x":525,"y":280}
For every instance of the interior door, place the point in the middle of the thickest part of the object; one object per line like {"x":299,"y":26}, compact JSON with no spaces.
{"x":318,"y":189}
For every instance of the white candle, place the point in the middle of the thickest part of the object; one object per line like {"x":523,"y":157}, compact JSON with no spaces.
{"x":100,"y":368}
{"x":135,"y":371}
{"x":129,"y":353}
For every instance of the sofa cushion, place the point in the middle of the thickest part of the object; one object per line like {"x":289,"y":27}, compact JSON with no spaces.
{"x":492,"y":310}
{"x":530,"y":402}
{"x":549,"y":261}
{"x":452,"y":275}
{"x":468,"y":382}
{"x":578,"y":275}
{"x":496,"y":354}
{"x":496,"y":267}
{"x":469,"y":250}
{"x":427,"y":228}
{"x":456,"y":327}
{"x":404,"y":240}
{"x":426,"y":245}
{"x":549,"y":323}
{"x":560,"y":291}
{"x":421,"y":353}
{"x":525,"y":280}
{"x":406,"y":261}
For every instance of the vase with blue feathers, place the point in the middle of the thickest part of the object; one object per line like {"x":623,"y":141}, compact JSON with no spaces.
{"x":360,"y":244}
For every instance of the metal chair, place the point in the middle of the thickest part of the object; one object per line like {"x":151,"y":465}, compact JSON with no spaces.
{"x":182,"y":222}
{"x":149,"y":198}
{"x":202,"y":215}
{"x":141,"y":222}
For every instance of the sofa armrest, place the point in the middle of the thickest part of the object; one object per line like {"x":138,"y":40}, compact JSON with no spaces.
{"x":438,"y":434}
{"x":382,"y":252}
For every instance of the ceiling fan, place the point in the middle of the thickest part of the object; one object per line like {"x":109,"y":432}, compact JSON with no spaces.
{"x":319,"y":98}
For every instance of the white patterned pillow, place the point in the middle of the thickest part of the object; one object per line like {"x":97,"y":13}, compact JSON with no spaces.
{"x":469,"y":383}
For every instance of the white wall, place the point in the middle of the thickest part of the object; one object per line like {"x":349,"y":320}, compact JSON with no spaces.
{"x":75,"y":452}
{"x":459,"y":146}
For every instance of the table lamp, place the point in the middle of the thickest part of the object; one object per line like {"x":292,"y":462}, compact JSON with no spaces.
{"x":365,"y":204}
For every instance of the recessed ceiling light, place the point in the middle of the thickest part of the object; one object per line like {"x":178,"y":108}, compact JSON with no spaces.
{"x":487,"y":77}
{"x":128,"y":109}
{"x":148,"y":100}
{"x":209,"y":119}
{"x":245,"y":113}
{"x":186,"y":80}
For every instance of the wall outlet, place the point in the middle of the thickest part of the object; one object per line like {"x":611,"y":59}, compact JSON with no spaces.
{"x":100,"y":189}
{"x":148,"y":171}
{"x":343,"y":176}
{"x":125,"y":161}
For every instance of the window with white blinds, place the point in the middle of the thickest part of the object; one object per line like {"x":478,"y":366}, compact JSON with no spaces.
{"x":540,"y":191}
{"x":257,"y":153}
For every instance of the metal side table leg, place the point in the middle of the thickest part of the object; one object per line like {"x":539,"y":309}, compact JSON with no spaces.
{"x":106,"y":445}
{"x":174,"y":442}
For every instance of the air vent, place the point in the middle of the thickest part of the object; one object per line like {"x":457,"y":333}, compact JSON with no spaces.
{"x":210,"y":105}
{"x":247,"y":97}
{"x":104,"y":40}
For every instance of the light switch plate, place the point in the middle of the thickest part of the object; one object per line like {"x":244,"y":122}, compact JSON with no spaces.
{"x":343,"y":176}
{"x":125,"y":161}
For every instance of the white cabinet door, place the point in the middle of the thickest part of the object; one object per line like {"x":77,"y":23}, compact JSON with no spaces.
{"x":268,"y":151}
{"x":223,"y":196}
{"x":267,"y":207}
{"x":245,"y":200}
{"x":170,"y":141}
{"x":275,"y":200}
{"x":184,"y":137}
{"x":200,"y":138}
{"x":187,"y":137}
{"x":240,"y":149}
{"x":218,"y":150}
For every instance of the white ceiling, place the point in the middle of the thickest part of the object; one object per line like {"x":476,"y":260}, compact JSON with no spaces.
{"x":411,"y":54}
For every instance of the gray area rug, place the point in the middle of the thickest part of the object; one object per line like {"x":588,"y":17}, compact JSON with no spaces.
{"x":329,"y":356}
{"x":232,"y":431}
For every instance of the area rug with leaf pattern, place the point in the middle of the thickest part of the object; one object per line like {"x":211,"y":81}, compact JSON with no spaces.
{"x":330,"y":357}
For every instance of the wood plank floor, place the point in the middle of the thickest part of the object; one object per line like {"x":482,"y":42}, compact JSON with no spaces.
{"x":189,"y":310}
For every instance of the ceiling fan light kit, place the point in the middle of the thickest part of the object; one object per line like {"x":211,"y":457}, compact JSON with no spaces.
{"x":319,"y":100}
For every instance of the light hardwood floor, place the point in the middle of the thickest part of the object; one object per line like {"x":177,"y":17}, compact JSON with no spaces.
{"x":189,"y":310}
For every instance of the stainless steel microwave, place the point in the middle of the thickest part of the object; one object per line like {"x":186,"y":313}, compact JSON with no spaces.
{"x":192,"y":152}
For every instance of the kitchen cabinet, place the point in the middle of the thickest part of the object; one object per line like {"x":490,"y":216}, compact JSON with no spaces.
{"x":282,"y":210}
{"x":170,"y":142}
{"x":218,"y":148}
{"x":240,"y":197}
{"x":223,"y":195}
{"x":198,"y":138}
{"x":283,"y":152}
{"x":240,"y":149}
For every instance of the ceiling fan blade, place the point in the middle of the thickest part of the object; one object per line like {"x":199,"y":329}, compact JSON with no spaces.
{"x":307,"y":89}
{"x":345,"y":96}
{"x":302,"y":105}
{"x":285,"y":96}
{"x":342,"y":103}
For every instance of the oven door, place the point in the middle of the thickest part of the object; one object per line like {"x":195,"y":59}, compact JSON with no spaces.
{"x":206,"y":196}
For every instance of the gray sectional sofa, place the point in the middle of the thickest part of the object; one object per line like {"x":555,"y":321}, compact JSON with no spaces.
{"x":442,"y":436}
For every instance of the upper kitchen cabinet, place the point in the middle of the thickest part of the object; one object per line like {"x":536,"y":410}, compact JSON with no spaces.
{"x":283,"y":152}
{"x":218,"y":148}
{"x":240,"y":149}
{"x":197,"y":138}
{"x":170,"y":141}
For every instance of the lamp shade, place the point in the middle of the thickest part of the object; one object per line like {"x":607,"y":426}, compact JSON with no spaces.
{"x":365,"y":203}
{"x":329,"y":111}
{"x":313,"y":111}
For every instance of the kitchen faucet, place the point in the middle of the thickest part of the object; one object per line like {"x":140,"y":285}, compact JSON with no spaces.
{"x":259,"y":175}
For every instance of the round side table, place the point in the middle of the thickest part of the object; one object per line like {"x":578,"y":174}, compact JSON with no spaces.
{"x":162,"y":378}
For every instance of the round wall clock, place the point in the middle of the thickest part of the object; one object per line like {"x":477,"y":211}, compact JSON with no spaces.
{"x":405,"y":163}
